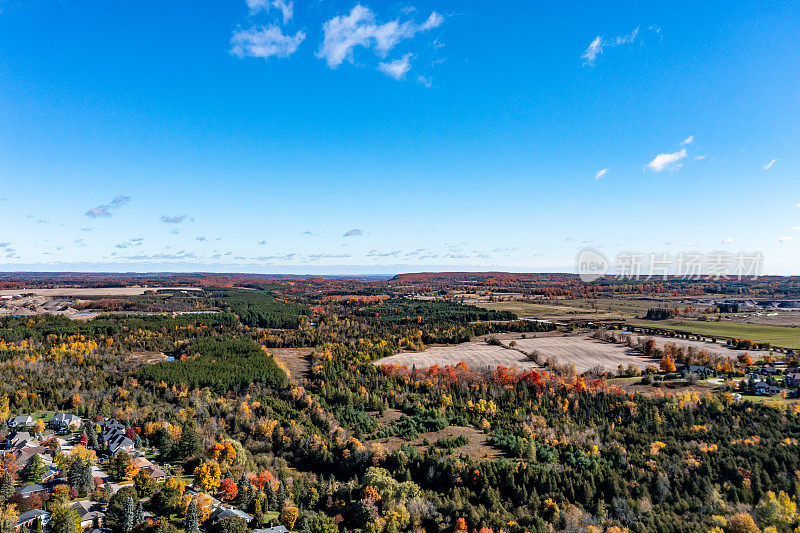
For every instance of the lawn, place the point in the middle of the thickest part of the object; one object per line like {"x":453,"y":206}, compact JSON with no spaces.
{"x":785,"y":337}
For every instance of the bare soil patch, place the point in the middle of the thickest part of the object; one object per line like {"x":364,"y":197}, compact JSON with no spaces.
{"x":297,"y":360}
{"x":584,"y":352}
{"x":93,"y":291}
{"x":477,"y":449}
{"x":477,"y":355}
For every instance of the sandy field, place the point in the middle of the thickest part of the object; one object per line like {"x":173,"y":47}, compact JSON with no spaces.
{"x":93,"y":291}
{"x":476,"y":354}
{"x":585,"y":352}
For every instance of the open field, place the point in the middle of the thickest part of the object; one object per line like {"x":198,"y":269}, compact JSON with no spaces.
{"x":93,"y":291}
{"x":585,"y":352}
{"x":477,"y":449}
{"x":530,"y":309}
{"x":719,"y":348}
{"x":787,"y":337}
{"x":475,"y":354}
{"x":297,"y":360}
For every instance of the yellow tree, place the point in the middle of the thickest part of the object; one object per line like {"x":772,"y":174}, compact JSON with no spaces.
{"x":207,"y":476}
{"x":289,"y":516}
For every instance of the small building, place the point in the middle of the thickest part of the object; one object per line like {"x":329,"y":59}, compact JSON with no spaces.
{"x":28,"y":519}
{"x":793,"y":379}
{"x":90,"y":513}
{"x":764,"y":389}
{"x":154,"y":471}
{"x":276,"y":529}
{"x":20,"y":439}
{"x":22,"y":421}
{"x":64,"y":422}
{"x":30,"y":490}
{"x":226,"y":512}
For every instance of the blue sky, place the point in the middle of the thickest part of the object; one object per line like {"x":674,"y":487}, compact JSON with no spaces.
{"x":334,"y":137}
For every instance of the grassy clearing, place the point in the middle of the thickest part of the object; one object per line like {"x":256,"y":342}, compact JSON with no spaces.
{"x":525,"y":309}
{"x":786,"y":337}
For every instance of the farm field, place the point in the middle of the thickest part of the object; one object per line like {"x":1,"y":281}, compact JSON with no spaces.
{"x":585,"y":352}
{"x":719,"y":347}
{"x":93,"y":291}
{"x":787,"y":337}
{"x":475,"y":354}
{"x":528,"y":309}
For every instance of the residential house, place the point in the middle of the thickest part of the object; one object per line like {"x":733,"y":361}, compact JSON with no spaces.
{"x":90,"y":513}
{"x":20,"y":439}
{"x":30,"y":490}
{"x":227,"y":512}
{"x":764,"y":389}
{"x":155,"y":472}
{"x":64,"y":422}
{"x":793,"y":379}
{"x":276,"y":529}
{"x":22,"y":421}
{"x":28,"y":519}
{"x":113,"y":437}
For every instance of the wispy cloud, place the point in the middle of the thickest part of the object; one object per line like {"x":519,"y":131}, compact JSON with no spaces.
{"x":663,"y":161}
{"x":786,"y":238}
{"x":262,"y":243}
{"x":396,"y":69}
{"x":795,"y":228}
{"x":105,"y":211}
{"x":700,"y":157}
{"x":286,"y":8}
{"x":265,"y":42}
{"x":344,"y":33}
{"x":769,"y":165}
{"x":597,"y":45}
{"x":601,"y":173}
{"x":688,"y":140}
{"x":727,"y":240}
{"x":136,"y":241}
{"x":173,"y":219}
{"x":353,"y":233}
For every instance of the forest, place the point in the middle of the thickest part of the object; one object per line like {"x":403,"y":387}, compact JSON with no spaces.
{"x":349,"y":445}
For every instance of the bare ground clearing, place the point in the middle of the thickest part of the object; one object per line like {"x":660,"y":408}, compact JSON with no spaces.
{"x":476,"y":354}
{"x":297,"y":360}
{"x":93,"y":291}
{"x":478,"y":448}
{"x":585,"y":352}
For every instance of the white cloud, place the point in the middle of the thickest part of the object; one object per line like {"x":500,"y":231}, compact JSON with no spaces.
{"x":795,"y":228}
{"x":425,"y":80}
{"x":787,"y":238}
{"x":595,"y":48}
{"x":601,"y":173}
{"x":104,"y":211}
{"x":396,"y":69}
{"x":346,"y":32}
{"x":727,"y":240}
{"x":265,"y":42}
{"x":353,"y":233}
{"x":687,"y":140}
{"x":287,"y":8}
{"x":700,"y":157}
{"x":662,"y":161}
{"x":173,"y":219}
{"x":769,"y":165}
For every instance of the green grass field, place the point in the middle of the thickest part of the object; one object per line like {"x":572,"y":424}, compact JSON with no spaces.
{"x":785,"y":337}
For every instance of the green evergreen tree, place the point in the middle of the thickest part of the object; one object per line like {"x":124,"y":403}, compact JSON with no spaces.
{"x":6,"y":487}
{"x":192,"y":521}
{"x":128,"y":515}
{"x":34,"y":470}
